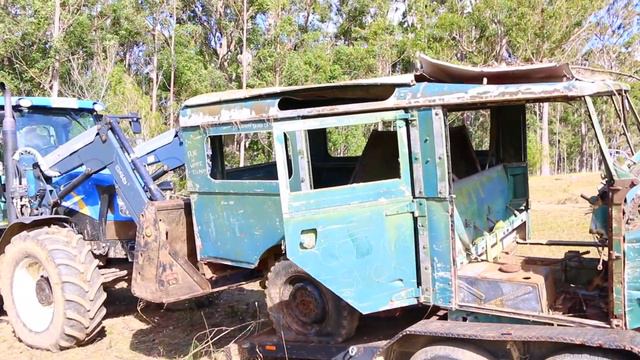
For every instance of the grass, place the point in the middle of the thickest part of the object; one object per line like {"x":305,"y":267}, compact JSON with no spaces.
{"x":557,"y":210}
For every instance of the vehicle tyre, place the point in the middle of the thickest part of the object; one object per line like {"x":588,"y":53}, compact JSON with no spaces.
{"x":452,"y":351}
{"x":301,"y":309}
{"x":587,"y":354}
{"x":52,"y":288}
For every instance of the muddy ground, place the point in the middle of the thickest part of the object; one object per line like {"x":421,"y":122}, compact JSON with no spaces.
{"x":186,"y":331}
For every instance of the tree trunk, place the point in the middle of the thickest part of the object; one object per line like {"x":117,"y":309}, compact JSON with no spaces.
{"x":242,"y":146}
{"x":173,"y":64}
{"x":557,"y":167}
{"x":154,"y":69}
{"x":55,"y":69}
{"x":583,"y":146}
{"x":545,"y":168}
{"x":244,"y":45}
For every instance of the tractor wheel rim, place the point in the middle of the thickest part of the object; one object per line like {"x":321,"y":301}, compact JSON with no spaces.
{"x":32,"y":295}
{"x":308,"y":303}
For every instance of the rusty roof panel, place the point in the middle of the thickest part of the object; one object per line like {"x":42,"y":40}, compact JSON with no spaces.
{"x":440,"y":71}
{"x":424,"y":94}
{"x":235,"y":95}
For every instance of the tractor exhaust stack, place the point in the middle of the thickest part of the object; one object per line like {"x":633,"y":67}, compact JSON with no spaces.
{"x":10,"y":140}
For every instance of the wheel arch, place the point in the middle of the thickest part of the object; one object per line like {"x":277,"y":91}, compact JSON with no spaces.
{"x":269,"y":257}
{"x":30,"y":222}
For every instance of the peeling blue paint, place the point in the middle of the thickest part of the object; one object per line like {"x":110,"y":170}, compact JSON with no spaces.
{"x":632,"y":276}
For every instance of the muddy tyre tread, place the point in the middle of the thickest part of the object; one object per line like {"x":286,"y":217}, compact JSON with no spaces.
{"x":346,"y":317}
{"x":80,"y":288}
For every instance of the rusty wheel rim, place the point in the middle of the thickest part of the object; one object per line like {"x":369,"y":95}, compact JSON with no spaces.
{"x":307,"y":303}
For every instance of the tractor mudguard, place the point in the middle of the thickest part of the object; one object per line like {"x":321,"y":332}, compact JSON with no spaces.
{"x":30,"y":222}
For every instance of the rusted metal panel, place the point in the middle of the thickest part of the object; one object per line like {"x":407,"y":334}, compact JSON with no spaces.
{"x":234,"y":95}
{"x":237,"y":228}
{"x":164,"y":268}
{"x":440,"y":71}
{"x":617,"y":195}
{"x":529,"y":289}
{"x":441,"y":265}
{"x":434,"y":210}
{"x":420,"y":95}
{"x":363,"y":253}
{"x":482,"y":200}
{"x":433,"y":156}
{"x":601,"y":338}
{"x":421,"y":224}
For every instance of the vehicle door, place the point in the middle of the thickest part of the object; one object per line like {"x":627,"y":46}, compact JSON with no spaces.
{"x":357,"y":238}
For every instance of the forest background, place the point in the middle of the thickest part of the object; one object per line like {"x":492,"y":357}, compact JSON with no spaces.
{"x":148,"y":56}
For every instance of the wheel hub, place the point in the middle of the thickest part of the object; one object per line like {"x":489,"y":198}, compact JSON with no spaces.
{"x":32,"y":295}
{"x":44,"y":292}
{"x":307,"y":302}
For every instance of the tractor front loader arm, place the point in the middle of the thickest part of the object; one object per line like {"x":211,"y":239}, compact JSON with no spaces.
{"x":104,"y":146}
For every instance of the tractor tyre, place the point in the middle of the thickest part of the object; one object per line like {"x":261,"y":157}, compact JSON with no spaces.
{"x":52,"y":288}
{"x":301,"y":309}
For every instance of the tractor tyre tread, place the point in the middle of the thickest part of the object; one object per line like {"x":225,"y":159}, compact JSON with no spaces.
{"x":80,"y":282}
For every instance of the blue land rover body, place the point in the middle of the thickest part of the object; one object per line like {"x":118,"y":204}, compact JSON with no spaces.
{"x":422,"y":213}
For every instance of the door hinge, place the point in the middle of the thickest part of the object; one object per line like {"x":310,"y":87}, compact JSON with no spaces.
{"x":419,"y":207}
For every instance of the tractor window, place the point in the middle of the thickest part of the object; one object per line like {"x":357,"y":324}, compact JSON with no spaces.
{"x":246,"y":156}
{"x":82,"y":122}
{"x":40,"y":137}
{"x":46,"y":129}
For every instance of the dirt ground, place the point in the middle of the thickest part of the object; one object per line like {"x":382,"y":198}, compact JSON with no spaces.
{"x":186,"y":331}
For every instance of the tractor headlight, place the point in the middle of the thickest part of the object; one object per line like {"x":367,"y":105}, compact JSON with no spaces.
{"x":25,"y":103}
{"x":98,"y":107}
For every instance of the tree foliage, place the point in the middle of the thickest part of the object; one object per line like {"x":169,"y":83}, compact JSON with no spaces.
{"x":120,"y":51}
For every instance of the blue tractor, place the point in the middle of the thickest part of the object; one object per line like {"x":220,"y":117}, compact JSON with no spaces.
{"x":66,"y":233}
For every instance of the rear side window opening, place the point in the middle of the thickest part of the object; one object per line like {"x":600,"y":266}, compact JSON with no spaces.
{"x":244,"y":156}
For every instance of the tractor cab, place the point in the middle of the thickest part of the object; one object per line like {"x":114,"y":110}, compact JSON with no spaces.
{"x":44,"y":124}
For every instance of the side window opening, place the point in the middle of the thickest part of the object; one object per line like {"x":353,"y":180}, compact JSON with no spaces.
{"x":353,"y":154}
{"x":469,"y":149}
{"x":81,"y":122}
{"x":480,"y":139}
{"x":331,"y":96}
{"x":246,"y":156}
{"x":40,"y":137}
